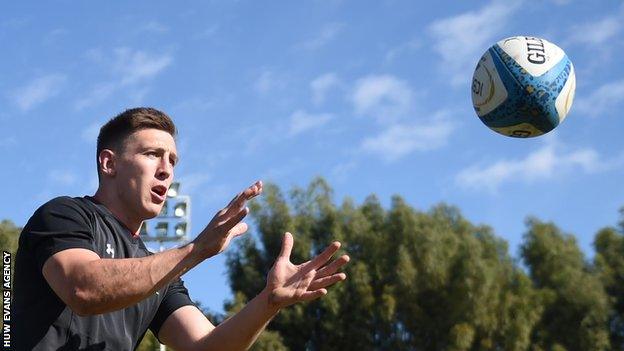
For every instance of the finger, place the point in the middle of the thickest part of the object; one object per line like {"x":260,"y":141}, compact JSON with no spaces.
{"x":313,"y":295}
{"x":226,"y":226}
{"x":333,"y":267}
{"x":258,"y":184}
{"x":287,"y":244}
{"x":234,"y":206}
{"x":321,"y":259}
{"x":327,"y":281}
{"x":252,"y":191}
{"x":238,"y":229}
{"x":239,"y":200}
{"x":234,"y":200}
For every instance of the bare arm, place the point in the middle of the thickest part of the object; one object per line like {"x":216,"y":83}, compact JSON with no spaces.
{"x":91,"y":285}
{"x":187,"y":329}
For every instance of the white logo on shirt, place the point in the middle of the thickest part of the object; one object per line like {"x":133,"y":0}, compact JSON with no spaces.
{"x":110,"y":250}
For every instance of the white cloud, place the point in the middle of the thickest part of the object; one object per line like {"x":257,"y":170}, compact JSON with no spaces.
{"x":603,"y":100}
{"x":326,"y":34}
{"x":131,"y":67}
{"x":99,"y":93}
{"x":391,"y":101}
{"x":461,"y":39}
{"x":400,"y":140}
{"x":382,"y":96}
{"x":406,"y":47}
{"x":301,"y":121}
{"x":264,"y":135}
{"x":38,"y":91}
{"x":268,"y":81}
{"x":135,"y":65}
{"x":543,"y":164}
{"x":597,"y":33}
{"x":321,"y":86}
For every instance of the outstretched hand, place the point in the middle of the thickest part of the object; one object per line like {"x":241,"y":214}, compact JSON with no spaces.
{"x":226,"y":224}
{"x":288,"y":283}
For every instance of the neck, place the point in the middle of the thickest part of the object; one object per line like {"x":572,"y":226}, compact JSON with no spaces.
{"x":117,"y":207}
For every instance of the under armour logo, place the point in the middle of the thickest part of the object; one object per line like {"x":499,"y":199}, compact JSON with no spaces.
{"x":110,"y":250}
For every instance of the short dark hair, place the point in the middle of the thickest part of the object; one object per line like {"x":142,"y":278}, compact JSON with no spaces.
{"x":114,"y":132}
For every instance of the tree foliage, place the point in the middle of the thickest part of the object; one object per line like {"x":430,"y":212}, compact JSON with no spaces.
{"x":149,"y":343}
{"x":576,"y":306}
{"x":609,"y":263}
{"x":9,"y":234}
{"x":431,"y":280}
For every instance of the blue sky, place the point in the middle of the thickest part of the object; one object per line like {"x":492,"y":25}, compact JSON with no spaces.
{"x":372,"y":95}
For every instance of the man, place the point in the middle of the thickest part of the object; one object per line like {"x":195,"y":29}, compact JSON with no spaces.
{"x":85,"y":281}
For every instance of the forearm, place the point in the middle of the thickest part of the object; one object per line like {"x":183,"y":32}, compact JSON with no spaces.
{"x":106,"y":285}
{"x":241,"y":330}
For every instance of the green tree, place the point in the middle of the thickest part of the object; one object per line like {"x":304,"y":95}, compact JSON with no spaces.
{"x":576,"y":306}
{"x":9,"y":237}
{"x":149,"y":343}
{"x":456,"y":286}
{"x":417,"y":280}
{"x":432,"y":280}
{"x":609,"y":262}
{"x":9,"y":234}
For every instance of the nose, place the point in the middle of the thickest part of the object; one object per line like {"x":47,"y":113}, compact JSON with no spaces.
{"x":165,"y":169}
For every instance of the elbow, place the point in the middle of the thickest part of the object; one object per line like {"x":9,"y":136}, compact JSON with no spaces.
{"x":82,"y":303}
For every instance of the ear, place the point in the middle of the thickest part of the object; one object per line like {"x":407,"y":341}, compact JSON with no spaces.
{"x":107,"y":163}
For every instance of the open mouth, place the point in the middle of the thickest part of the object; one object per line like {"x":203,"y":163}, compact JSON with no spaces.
{"x":160,"y":190}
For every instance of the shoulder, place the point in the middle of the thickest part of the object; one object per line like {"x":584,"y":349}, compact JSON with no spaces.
{"x":65,"y":204}
{"x":59,"y":211}
{"x":61,"y":223}
{"x":65,"y":201}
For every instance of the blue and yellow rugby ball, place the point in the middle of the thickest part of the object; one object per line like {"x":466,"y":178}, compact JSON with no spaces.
{"x":523,"y":87}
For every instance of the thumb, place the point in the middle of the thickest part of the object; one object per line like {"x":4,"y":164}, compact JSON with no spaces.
{"x":287,"y":244}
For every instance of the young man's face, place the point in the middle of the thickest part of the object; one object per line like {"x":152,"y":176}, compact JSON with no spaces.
{"x":145,"y":171}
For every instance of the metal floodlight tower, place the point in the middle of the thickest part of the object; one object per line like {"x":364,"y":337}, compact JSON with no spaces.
{"x":173,"y":224}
